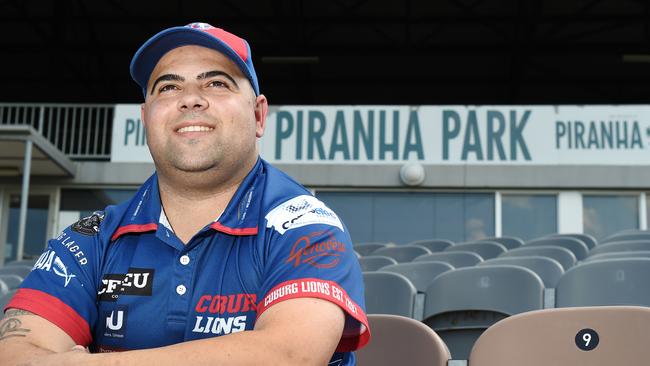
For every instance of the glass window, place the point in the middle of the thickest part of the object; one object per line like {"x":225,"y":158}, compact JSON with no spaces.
{"x":36,"y":226}
{"x":402,"y":217}
{"x":78,"y":203}
{"x":86,"y":201}
{"x":528,"y":216}
{"x":604,"y":215}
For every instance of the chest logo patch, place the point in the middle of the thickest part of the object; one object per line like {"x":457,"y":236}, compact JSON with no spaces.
{"x":301,"y":211}
{"x":136,"y":282}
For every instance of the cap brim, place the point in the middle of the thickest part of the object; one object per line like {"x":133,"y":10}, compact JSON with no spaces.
{"x":147,"y":57}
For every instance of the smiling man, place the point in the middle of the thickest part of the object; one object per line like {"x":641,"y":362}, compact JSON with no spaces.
{"x":219,"y":258}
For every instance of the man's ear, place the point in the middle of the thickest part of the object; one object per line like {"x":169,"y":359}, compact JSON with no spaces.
{"x":144,"y":123}
{"x":261,"y":110}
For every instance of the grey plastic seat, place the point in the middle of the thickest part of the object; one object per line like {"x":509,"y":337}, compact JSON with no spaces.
{"x":365,"y":249}
{"x":389,"y":293}
{"x":564,"y":256}
{"x":605,"y":282}
{"x":4,"y":298}
{"x":434,"y":245}
{"x":627,"y":237}
{"x":589,"y":240}
{"x":21,"y":271}
{"x":12,"y":281}
{"x":548,"y":269}
{"x":374,"y":262}
{"x":456,"y":259}
{"x":419,"y":273}
{"x":462,"y":303}
{"x":556,"y":337}
{"x":486,"y":249}
{"x":403,"y":253}
{"x":398,"y":340}
{"x":614,"y":255}
{"x":621,"y":246}
{"x":24,"y":262}
{"x":576,"y":246}
{"x":510,"y":242}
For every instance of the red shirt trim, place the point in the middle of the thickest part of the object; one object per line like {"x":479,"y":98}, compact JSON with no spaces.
{"x":134,"y":228}
{"x":234,"y":231}
{"x":54,"y":310}
{"x":326,"y":290}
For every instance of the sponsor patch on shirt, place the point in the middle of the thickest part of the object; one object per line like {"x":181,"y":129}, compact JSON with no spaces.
{"x":89,"y":225}
{"x":301,"y":211}
{"x":50,"y":262}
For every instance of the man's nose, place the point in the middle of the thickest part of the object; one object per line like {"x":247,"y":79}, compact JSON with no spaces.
{"x":192,"y":99}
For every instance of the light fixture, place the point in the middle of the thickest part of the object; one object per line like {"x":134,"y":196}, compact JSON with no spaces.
{"x":412,"y":174}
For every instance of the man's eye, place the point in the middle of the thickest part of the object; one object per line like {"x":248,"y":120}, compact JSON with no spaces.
{"x":167,"y":88}
{"x":217,"y":84}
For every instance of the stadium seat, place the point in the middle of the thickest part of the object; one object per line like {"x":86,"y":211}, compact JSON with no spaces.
{"x":460,"y":304}
{"x":21,"y":271}
{"x":374,"y":262}
{"x":564,"y":256}
{"x":365,"y":249}
{"x":613,"y":255}
{"x":4,"y":299}
{"x":510,"y":242}
{"x":12,"y":281}
{"x":456,"y":259}
{"x":486,"y":249}
{"x":403,"y":253}
{"x":419,"y":273}
{"x":548,"y":269}
{"x":389,"y":293}
{"x":621,"y":246}
{"x":576,"y":246}
{"x":434,"y":245}
{"x":605,"y":282}
{"x":645,"y":235}
{"x":24,"y":262}
{"x":594,"y":336}
{"x":398,"y":340}
{"x":589,"y":240}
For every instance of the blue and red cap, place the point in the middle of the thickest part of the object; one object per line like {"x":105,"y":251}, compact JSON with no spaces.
{"x":198,"y":34}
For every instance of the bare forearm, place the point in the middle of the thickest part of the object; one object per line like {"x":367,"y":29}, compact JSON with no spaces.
{"x":14,"y":349}
{"x":245,"y":348}
{"x":20,"y":353}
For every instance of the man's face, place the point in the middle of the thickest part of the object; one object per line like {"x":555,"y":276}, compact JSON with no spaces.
{"x":201,"y":112}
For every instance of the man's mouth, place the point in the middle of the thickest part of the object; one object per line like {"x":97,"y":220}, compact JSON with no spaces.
{"x":195,"y":129}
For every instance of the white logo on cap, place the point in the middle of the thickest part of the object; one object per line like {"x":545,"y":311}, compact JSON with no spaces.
{"x":199,"y":25}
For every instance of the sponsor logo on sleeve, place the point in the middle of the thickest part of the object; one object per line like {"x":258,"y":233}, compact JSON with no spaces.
{"x":66,"y":241}
{"x":50,"y":262}
{"x":136,"y":282}
{"x":301,"y":211}
{"x":311,"y":287}
{"x":223,"y":314}
{"x":116,"y":321}
{"x":323,"y":253}
{"x":89,"y":225}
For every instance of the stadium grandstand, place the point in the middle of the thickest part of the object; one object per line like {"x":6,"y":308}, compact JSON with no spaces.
{"x":491,"y":160}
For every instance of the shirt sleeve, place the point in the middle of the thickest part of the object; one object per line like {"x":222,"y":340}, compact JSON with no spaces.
{"x":312,"y":256}
{"x":62,"y":286}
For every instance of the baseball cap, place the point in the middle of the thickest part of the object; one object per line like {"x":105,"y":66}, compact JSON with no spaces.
{"x":199,"y":34}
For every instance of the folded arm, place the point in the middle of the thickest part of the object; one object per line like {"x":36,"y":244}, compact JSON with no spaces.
{"x":303,"y":331}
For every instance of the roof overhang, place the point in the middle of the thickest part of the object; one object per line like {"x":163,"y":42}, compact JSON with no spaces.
{"x":47,"y":160}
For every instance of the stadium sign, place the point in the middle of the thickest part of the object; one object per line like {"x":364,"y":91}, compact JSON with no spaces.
{"x":455,"y":135}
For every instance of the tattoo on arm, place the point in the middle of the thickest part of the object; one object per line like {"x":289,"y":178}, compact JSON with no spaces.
{"x":11,"y":326}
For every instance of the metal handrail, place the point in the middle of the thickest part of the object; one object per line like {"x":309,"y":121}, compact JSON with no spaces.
{"x":80,"y":131}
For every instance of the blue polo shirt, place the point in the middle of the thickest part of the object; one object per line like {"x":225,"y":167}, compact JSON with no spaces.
{"x":121,"y":279}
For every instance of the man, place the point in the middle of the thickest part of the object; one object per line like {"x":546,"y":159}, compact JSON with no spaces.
{"x":219,"y":259}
